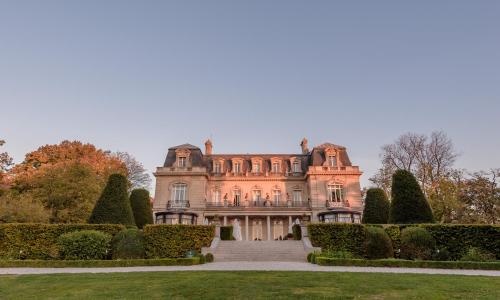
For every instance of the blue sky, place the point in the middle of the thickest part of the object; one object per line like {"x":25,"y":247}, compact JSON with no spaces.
{"x":256,"y":76}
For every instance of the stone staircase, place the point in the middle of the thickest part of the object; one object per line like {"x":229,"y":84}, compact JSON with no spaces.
{"x":260,"y":251}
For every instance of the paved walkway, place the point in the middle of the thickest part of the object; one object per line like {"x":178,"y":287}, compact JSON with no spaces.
{"x":247,"y":266}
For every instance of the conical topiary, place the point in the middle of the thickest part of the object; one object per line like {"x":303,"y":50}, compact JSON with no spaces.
{"x":113,"y":206}
{"x":141,"y":207}
{"x":408,"y":203}
{"x":376,"y":207}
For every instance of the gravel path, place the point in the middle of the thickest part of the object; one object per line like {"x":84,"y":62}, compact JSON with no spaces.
{"x":247,"y":266}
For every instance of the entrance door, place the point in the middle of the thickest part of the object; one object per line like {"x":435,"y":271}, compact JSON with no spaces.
{"x":257,"y":230}
{"x":278,"y":229}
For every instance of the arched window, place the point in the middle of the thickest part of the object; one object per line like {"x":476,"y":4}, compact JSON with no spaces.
{"x":335,"y":193}
{"x":179,"y":192}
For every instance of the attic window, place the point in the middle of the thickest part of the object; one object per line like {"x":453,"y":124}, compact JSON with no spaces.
{"x":181,"y":162}
{"x":332,"y":160}
{"x":296,"y":167}
{"x":217,"y":168}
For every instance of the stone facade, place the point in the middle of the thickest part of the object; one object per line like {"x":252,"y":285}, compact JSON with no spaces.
{"x":264,"y":193}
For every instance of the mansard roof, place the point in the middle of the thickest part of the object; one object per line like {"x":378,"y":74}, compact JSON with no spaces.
{"x":185,"y":146}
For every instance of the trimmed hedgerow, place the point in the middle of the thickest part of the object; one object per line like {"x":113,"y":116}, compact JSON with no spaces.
{"x":171,"y":241}
{"x":128,"y":244}
{"x":417,"y":243}
{"x":11,"y":263}
{"x":39,"y":241}
{"x":338,"y":237}
{"x":377,"y":244}
{"x":84,"y":245}
{"x":456,"y":239}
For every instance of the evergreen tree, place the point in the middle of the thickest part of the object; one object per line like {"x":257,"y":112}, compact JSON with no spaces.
{"x":408,"y":203}
{"x":376,"y":207}
{"x":141,"y":207}
{"x":113,"y":207}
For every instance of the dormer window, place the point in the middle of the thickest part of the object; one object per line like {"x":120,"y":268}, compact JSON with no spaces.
{"x":217,"y":168}
{"x":181,"y":162}
{"x":332,"y":161}
{"x":276,"y":167}
{"x":256,"y":168}
{"x":296,"y":167}
{"x":237,"y":168}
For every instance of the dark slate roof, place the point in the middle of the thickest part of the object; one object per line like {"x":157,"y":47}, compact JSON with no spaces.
{"x":318,"y":156}
{"x":185,"y":146}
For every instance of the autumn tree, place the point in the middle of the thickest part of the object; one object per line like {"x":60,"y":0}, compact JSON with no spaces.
{"x":5,"y":163}
{"x":136,"y":173}
{"x":22,"y":208}
{"x":141,"y":207}
{"x":480,"y":198}
{"x":408,"y":203}
{"x":113,"y":206}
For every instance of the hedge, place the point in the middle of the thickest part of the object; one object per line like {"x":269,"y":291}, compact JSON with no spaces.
{"x":39,"y":241}
{"x":457,"y":239}
{"x":338,"y":237}
{"x":401,"y":263}
{"x":7,"y":263}
{"x":172,"y":241}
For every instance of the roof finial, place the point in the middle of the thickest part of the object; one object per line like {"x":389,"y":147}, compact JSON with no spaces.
{"x":304,"y":147}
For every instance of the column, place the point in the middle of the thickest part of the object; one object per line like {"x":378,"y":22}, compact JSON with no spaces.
{"x":246,"y":228}
{"x":268,"y":228}
{"x":290,"y":224}
{"x":225,"y":220}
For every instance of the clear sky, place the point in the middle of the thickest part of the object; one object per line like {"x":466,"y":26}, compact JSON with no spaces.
{"x":256,"y":76}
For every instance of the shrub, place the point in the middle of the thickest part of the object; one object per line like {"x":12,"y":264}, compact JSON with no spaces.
{"x":87,"y":244}
{"x":297,"y":232}
{"x":441,"y":254}
{"x":141,"y":207}
{"x":417,"y":243}
{"x":378,"y":244}
{"x":170,"y":241}
{"x":408,"y":204}
{"x":113,"y":206}
{"x":338,"y":236}
{"x":376,"y":209}
{"x":128,"y":244}
{"x":477,"y":254}
{"x":209,"y":257}
{"x":39,"y":241}
{"x":226,"y":233}
{"x":202,"y":257}
{"x":336,"y":254}
{"x":309,"y":256}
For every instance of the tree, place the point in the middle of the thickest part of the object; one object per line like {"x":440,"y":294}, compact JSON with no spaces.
{"x":5,"y":162}
{"x":430,"y":159}
{"x":141,"y":207}
{"x":136,"y":173}
{"x":376,"y":209}
{"x":480,"y":197}
{"x":113,"y":206}
{"x":408,"y":203}
{"x":22,"y":208}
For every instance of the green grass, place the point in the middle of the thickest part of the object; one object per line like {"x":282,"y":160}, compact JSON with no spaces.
{"x":6,"y":263}
{"x":248,"y":285}
{"x":401,"y":263}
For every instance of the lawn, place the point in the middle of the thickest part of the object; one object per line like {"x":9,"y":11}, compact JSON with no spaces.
{"x":248,"y":285}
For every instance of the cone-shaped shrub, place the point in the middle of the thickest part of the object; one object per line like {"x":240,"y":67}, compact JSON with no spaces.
{"x":376,"y":207}
{"x":141,"y":207}
{"x":408,"y":203}
{"x":113,"y":207}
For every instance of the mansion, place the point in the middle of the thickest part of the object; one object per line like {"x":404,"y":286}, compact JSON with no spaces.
{"x":265,"y":193}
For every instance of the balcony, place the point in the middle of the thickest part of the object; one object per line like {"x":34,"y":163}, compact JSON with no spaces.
{"x":264,"y":204}
{"x":177,"y":204}
{"x":333,"y":204}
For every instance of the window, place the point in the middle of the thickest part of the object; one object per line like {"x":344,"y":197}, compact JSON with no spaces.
{"x":256,"y":168}
{"x":297,"y":197}
{"x":181,"y":162}
{"x":332,"y":160}
{"x":217,"y":168}
{"x":179,"y":192}
{"x":344,"y":218}
{"x":276,"y":197}
{"x":237,"y":168}
{"x":257,"y":194}
{"x":296,"y":167}
{"x":217,"y":196}
{"x":335,"y":193}
{"x":276,"y":167}
{"x":237,"y":197}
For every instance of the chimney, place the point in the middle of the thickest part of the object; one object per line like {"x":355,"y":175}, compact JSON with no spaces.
{"x":208,"y":147}
{"x":303,"y":144}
